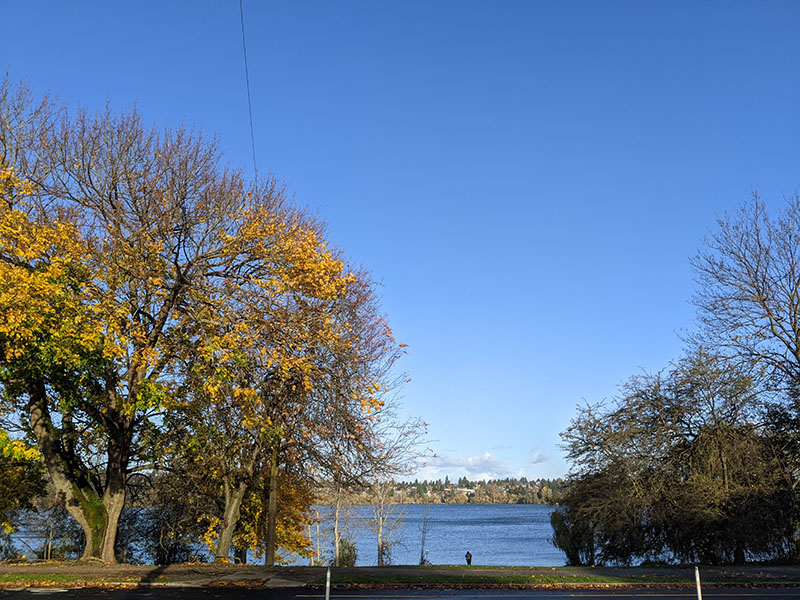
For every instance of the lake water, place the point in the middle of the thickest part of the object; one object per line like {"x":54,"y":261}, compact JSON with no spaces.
{"x":495,"y":534}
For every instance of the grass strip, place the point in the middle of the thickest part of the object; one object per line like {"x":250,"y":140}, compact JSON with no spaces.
{"x":441,"y":579}
{"x":514,"y":577}
{"x":73,"y":578}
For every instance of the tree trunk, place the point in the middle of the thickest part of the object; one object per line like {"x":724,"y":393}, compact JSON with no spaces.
{"x":233,"y":502}
{"x":272,"y":515}
{"x":96,"y":508}
{"x":425,"y":518}
{"x":336,"y":509}
{"x":115,"y":488}
{"x":380,"y":541}
{"x":319,"y":545}
{"x":113,"y":504}
{"x":738,"y":554}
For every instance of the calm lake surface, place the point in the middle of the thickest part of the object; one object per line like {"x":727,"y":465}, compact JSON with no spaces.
{"x":495,"y":534}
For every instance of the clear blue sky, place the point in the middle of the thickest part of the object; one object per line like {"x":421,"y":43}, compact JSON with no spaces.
{"x":526,"y":179}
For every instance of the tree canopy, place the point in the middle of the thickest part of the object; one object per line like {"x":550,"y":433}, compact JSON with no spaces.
{"x":699,"y":462}
{"x":156,"y":304}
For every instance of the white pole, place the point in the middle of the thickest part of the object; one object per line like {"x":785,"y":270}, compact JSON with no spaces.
{"x":328,"y":585}
{"x":697,"y":582}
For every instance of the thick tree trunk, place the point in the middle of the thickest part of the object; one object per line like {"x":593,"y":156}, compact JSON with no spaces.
{"x":115,"y":488}
{"x":113,"y":504}
{"x":234,"y":495}
{"x":272,"y":515}
{"x":87,"y":509}
{"x":233,"y":503}
{"x":97,"y":510}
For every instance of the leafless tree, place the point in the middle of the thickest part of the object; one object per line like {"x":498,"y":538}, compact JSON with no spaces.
{"x":423,"y":560}
{"x":387,"y":517}
{"x":749,"y":287}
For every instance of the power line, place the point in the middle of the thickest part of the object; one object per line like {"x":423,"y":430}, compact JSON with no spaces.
{"x":249,"y":101}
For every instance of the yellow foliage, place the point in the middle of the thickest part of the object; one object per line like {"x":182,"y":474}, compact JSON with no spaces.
{"x":12,"y":186}
{"x":17,"y":450}
{"x":45,"y":290}
{"x":211,"y":534}
{"x":294,"y":516}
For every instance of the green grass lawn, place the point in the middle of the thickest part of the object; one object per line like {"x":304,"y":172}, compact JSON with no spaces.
{"x":434,"y":575}
{"x":443,"y":579}
{"x":71,"y":578}
{"x":459,"y":575}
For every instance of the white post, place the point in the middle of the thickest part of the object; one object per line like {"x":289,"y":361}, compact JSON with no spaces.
{"x":697,"y":582}
{"x":328,"y":585}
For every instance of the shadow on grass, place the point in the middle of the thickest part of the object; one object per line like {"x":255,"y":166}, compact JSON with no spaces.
{"x":153,"y":575}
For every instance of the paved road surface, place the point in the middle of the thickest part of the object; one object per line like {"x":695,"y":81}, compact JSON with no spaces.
{"x":302,"y":594}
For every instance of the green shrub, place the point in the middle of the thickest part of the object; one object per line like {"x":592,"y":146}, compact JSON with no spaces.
{"x":347,"y":553}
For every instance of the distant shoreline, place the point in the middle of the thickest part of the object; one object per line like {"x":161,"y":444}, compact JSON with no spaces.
{"x":463,"y":491}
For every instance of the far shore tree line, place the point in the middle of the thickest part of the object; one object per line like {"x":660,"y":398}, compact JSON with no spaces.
{"x":183,"y":355}
{"x":511,"y":490}
{"x":700,"y":462}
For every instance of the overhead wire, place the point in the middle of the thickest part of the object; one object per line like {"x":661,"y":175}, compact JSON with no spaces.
{"x":249,"y":100}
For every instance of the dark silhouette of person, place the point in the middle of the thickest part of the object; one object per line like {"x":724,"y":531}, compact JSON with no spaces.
{"x":468,"y":556}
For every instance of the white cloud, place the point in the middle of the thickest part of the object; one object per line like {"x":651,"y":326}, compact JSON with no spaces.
{"x":475,"y":468}
{"x":538,"y":458}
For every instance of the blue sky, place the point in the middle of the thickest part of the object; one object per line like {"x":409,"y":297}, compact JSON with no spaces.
{"x":526,"y":180}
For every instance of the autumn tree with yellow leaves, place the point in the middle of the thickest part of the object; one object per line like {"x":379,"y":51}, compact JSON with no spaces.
{"x":144,"y":286}
{"x":290,"y":381}
{"x":21,"y":478}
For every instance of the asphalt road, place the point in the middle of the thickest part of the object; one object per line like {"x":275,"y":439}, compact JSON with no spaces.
{"x":782,"y":593}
